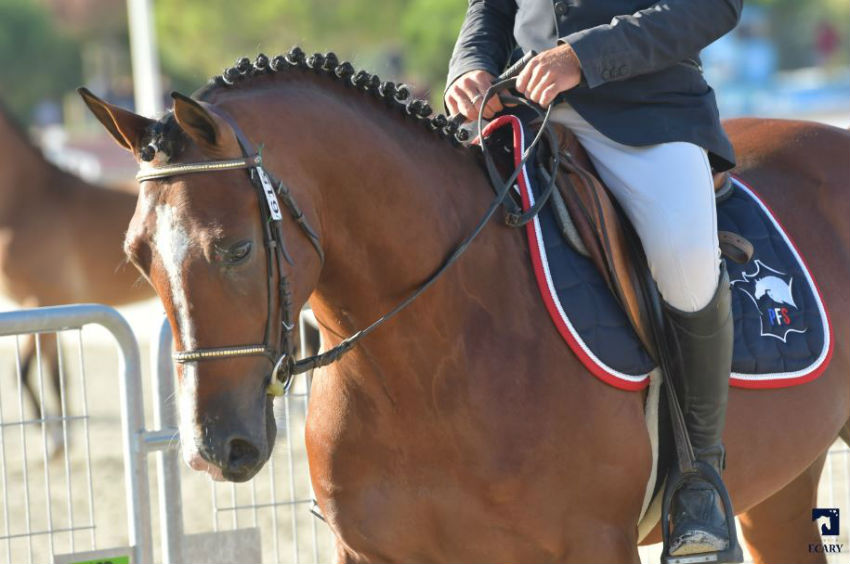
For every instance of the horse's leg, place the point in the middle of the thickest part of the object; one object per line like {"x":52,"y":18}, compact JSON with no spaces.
{"x":35,"y":387}
{"x":46,"y":373}
{"x":780,"y":528}
{"x":27,"y":355}
{"x":51,"y":386}
{"x":52,"y":355}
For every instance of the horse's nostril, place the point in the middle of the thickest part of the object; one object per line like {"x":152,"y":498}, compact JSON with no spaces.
{"x":241,"y":455}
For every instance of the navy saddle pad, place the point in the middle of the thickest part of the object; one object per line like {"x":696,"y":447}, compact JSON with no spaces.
{"x":782,"y":332}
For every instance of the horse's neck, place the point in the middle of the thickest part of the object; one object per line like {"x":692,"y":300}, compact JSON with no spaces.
{"x":24,"y":173}
{"x":392,"y":218}
{"x":392,"y":202}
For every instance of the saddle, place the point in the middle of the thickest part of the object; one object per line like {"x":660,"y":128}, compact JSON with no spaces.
{"x":593,"y":223}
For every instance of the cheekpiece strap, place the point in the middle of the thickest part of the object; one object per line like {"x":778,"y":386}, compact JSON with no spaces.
{"x":206,"y":166}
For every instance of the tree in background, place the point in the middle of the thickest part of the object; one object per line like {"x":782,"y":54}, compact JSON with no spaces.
{"x":403,"y":40}
{"x":429,"y":31}
{"x":40,"y":62}
{"x":199,"y":38}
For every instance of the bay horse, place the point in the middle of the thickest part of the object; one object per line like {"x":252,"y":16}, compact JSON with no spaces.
{"x":463,"y":429}
{"x":60,"y":241}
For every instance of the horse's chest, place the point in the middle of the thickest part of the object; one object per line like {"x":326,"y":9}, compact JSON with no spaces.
{"x":395,"y":519}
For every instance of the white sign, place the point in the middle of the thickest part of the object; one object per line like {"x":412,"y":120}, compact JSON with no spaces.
{"x":271,"y":197}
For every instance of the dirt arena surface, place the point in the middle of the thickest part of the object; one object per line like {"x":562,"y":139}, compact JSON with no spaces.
{"x":289,"y":532}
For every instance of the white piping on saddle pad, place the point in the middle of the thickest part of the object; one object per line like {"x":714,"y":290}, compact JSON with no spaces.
{"x":824,"y":353}
{"x":649,"y":516}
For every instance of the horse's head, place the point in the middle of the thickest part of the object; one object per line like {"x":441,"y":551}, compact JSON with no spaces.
{"x":199,"y":239}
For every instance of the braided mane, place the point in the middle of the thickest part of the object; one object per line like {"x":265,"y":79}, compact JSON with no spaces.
{"x":165,"y":135}
{"x":396,"y":96}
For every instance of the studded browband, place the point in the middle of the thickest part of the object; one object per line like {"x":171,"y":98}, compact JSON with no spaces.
{"x":204,"y":166}
{"x":223,"y":352}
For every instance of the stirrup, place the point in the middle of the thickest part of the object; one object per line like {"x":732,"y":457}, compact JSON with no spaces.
{"x":675,"y":480}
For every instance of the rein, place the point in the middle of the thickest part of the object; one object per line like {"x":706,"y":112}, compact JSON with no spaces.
{"x":281,"y":354}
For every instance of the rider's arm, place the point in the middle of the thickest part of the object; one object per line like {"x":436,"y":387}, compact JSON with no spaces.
{"x":667,"y":32}
{"x":486,"y":38}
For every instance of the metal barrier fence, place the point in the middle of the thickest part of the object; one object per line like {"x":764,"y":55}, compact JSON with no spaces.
{"x":37,"y":504}
{"x":52,"y":501}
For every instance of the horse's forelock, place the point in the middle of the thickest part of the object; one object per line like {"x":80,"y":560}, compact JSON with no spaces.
{"x":165,"y":140}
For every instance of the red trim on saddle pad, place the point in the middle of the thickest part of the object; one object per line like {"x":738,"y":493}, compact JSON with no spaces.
{"x":559,"y":317}
{"x":547,"y":292}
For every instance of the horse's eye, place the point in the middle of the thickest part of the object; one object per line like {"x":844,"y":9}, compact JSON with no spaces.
{"x":238,"y":252}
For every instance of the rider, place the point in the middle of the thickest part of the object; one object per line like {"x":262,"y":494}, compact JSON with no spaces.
{"x":626,"y":79}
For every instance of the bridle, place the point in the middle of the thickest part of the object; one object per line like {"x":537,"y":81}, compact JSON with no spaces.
{"x":280,"y":352}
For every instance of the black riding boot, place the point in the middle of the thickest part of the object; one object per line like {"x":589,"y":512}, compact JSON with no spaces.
{"x":702,"y":344}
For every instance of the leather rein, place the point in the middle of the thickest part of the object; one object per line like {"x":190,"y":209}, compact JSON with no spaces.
{"x":270,"y":193}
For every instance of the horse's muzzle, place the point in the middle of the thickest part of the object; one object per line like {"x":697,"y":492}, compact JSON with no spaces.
{"x":235,"y":459}
{"x":197,"y":463}
{"x":241,"y":460}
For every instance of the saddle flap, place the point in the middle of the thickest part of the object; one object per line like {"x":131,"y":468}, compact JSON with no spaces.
{"x":608,"y":236}
{"x":593,"y":224}
{"x":598,"y":222}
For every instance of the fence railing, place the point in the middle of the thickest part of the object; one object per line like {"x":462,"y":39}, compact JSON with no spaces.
{"x":52,"y":320}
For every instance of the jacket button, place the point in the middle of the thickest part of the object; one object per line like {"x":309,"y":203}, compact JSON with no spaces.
{"x":561,"y":8}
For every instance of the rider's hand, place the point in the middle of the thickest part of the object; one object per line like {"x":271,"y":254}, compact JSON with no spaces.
{"x":465,"y":94}
{"x":549,"y":73}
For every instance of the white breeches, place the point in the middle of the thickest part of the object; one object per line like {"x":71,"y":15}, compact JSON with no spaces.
{"x":667,"y":191}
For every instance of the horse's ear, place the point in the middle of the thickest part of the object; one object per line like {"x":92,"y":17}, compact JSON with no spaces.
{"x":126,"y":128}
{"x":209,"y":131}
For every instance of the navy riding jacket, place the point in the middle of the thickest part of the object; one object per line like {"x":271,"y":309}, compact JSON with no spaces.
{"x":642,"y":77}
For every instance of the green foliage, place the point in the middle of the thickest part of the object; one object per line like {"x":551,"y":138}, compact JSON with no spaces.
{"x":38,"y":61}
{"x":198,"y":38}
{"x":429,"y":31}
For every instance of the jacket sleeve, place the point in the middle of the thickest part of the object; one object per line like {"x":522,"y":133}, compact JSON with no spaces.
{"x":486,"y":38}
{"x":661,"y":35}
